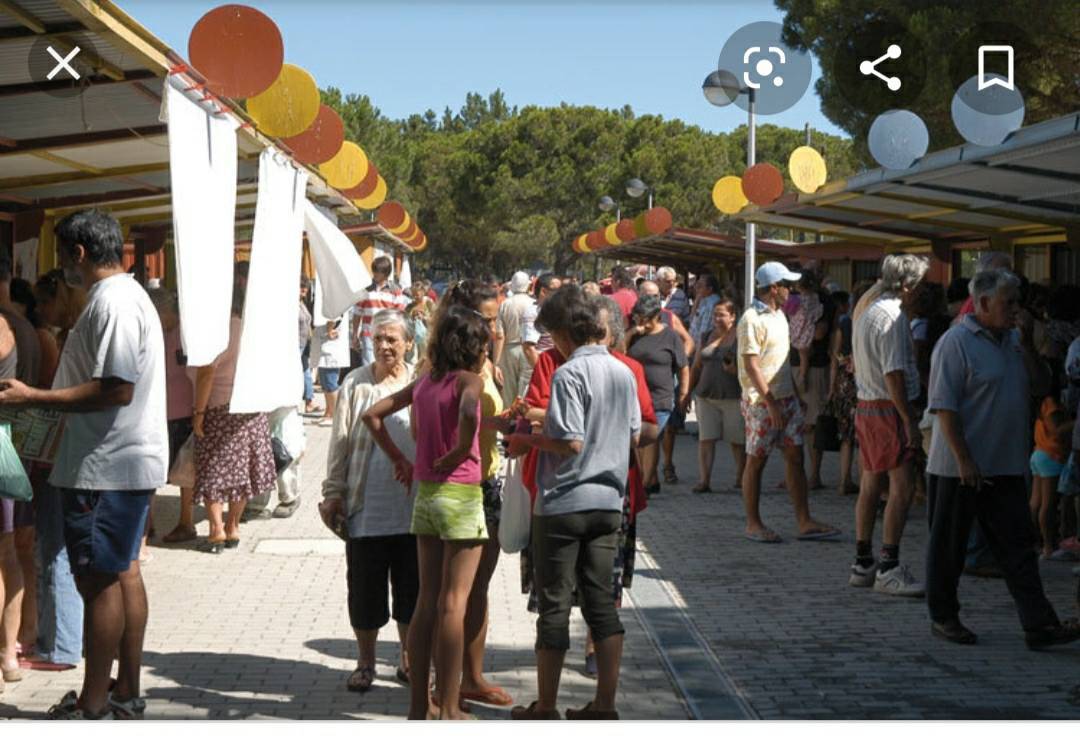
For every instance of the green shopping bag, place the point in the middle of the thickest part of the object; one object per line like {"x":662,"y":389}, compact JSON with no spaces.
{"x":14,"y":484}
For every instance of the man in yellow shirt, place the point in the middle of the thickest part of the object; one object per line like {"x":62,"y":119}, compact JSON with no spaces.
{"x":771,"y":407}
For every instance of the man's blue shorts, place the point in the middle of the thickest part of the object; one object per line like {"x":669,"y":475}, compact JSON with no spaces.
{"x":103,"y":529}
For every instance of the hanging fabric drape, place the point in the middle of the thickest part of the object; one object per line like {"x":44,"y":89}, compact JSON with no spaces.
{"x":202,"y":168}
{"x":26,"y":259}
{"x":405,"y":279}
{"x":340,"y":271}
{"x":268,"y":374}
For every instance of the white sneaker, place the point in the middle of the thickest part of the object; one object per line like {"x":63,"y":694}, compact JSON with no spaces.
{"x":899,"y":582}
{"x":862,"y":576}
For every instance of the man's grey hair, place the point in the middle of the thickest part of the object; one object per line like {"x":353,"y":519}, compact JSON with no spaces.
{"x":993,"y":261}
{"x":902,"y":271}
{"x":666,"y":273}
{"x":616,"y":326}
{"x":989,"y":282}
{"x":397,"y":318}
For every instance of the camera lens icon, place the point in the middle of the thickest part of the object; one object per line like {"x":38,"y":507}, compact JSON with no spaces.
{"x":764,"y":66}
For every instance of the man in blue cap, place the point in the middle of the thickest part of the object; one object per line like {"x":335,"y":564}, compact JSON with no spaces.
{"x":771,"y":407}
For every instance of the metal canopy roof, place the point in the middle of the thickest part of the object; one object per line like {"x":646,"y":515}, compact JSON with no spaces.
{"x":104,"y":145}
{"x":1028,"y":186}
{"x":693,"y":249}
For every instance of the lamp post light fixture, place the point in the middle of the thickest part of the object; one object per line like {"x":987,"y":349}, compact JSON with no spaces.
{"x":635,"y":188}
{"x":607,"y":203}
{"x":721,"y":88}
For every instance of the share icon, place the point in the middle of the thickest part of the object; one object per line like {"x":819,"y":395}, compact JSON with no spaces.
{"x":870,"y":68}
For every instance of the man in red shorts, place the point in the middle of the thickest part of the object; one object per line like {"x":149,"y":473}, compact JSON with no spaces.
{"x":886,"y":426}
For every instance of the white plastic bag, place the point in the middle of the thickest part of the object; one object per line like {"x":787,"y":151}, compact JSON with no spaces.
{"x":182,"y":473}
{"x":515,"y":518}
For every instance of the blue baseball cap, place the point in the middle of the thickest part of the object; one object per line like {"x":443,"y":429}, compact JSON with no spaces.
{"x":774,"y":272}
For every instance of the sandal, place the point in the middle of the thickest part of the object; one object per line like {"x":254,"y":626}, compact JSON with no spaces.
{"x":361,"y":679}
{"x":494,"y":696}
{"x":215,"y":547}
{"x":701,"y":489}
{"x":180,"y":534}
{"x":587,"y":713}
{"x":669,"y":475}
{"x":521,"y":712}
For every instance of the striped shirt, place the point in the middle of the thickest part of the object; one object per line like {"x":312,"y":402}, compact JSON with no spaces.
{"x":375,"y":299}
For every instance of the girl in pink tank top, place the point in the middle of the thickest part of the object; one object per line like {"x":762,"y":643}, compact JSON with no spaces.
{"x":448,"y":517}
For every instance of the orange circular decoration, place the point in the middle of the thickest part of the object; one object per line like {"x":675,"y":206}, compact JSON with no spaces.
{"x":640,"y":228}
{"x":410,"y":234}
{"x":237,"y":49}
{"x":374,"y":200}
{"x":392,"y":215}
{"x":595,"y":240}
{"x":416,"y":239}
{"x":320,"y":141}
{"x":657,"y":220}
{"x":762,"y":184}
{"x":422,"y":246}
{"x":624,"y":230}
{"x":405,"y":226}
{"x":366,"y":186}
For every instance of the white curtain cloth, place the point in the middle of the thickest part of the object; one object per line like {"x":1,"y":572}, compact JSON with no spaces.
{"x":26,"y":259}
{"x":268,"y":370}
{"x":202,"y":166}
{"x":341,"y":272}
{"x":405,"y":279}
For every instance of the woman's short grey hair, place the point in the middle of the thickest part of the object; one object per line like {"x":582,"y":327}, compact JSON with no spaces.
{"x":616,"y":325}
{"x":647,"y":307}
{"x":989,"y":282}
{"x":902,"y":271}
{"x":393,"y":317}
{"x":666,"y":273}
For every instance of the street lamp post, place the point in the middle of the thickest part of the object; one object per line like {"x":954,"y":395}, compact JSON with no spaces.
{"x":635,"y":188}
{"x":606,"y":204}
{"x":721,"y":88}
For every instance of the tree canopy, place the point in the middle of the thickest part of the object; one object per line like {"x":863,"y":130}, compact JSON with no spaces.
{"x":497,"y":188}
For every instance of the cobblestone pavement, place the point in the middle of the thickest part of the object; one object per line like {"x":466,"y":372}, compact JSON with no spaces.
{"x":263,"y":632}
{"x":797,"y":642}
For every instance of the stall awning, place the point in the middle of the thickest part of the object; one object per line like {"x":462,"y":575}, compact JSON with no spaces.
{"x":1025,"y":188}
{"x":103,"y":145}
{"x":692,"y":250}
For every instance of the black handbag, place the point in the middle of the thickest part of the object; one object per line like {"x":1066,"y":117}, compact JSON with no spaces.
{"x":827,"y":432}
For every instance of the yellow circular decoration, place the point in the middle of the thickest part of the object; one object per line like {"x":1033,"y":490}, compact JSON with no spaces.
{"x":807,"y":169}
{"x":580,"y":246}
{"x":727,"y":195}
{"x":346,"y":168}
{"x":610,"y":236}
{"x":374,"y":200}
{"x":289,"y":106}
{"x":403,"y":226}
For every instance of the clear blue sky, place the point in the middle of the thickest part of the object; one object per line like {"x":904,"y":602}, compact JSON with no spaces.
{"x":412,"y":55}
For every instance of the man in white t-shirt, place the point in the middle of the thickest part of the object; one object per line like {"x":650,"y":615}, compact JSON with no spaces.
{"x":112,"y":456}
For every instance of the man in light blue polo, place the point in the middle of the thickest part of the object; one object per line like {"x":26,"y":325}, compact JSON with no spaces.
{"x":980,"y":379}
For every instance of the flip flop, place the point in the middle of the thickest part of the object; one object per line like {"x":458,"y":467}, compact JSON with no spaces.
{"x":38,"y":664}
{"x":361,"y":679}
{"x":494,"y":696}
{"x":763,"y":536}
{"x":827,"y":533}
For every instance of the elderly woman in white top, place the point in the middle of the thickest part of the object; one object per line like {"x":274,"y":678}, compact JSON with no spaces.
{"x":366,"y":506}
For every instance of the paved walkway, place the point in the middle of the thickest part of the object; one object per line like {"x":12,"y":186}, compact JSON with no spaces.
{"x":263,"y":632}
{"x":717,"y":627}
{"x":797,"y":642}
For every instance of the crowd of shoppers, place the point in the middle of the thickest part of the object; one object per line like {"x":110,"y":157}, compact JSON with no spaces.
{"x":431,"y":399}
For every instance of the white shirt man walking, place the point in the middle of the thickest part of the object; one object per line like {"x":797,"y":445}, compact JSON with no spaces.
{"x":886,"y":381}
{"x":113,"y":454}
